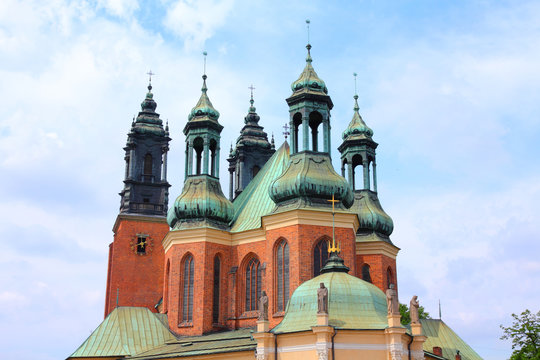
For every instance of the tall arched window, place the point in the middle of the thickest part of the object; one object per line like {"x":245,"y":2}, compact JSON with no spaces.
{"x":366,"y":276}
{"x":389,"y":277}
{"x":187,"y":298}
{"x":320,"y":255}
{"x":282,"y":273}
{"x":147,"y":168}
{"x":166,"y":292}
{"x":217,"y":272}
{"x":253,"y":284}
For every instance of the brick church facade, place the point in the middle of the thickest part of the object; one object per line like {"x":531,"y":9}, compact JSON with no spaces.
{"x":205,"y":260}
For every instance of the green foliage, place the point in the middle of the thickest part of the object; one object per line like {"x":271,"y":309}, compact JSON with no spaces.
{"x":406,"y":315}
{"x":525,"y":336}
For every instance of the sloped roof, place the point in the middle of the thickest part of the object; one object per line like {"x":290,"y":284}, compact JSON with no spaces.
{"x":439,"y":334}
{"x":216,"y":343}
{"x":125,"y":331}
{"x":255,"y":202}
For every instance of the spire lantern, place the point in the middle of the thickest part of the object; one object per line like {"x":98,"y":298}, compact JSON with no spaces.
{"x":145,"y":186}
{"x":358,"y":164}
{"x":202,"y":203}
{"x":251,"y":152}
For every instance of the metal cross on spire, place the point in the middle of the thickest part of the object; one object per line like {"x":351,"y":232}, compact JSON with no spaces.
{"x":333,"y":247}
{"x":286,"y":132}
{"x":150,"y":73}
{"x":251,"y":88}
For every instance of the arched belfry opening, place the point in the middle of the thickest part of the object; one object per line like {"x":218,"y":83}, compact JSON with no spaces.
{"x":198,"y":144}
{"x":296,"y":126}
{"x":213,"y":158}
{"x":315,"y":119}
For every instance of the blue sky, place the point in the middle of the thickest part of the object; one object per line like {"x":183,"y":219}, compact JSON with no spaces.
{"x":450,"y":88}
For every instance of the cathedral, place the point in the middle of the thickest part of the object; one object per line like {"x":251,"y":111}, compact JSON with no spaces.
{"x":296,"y":262}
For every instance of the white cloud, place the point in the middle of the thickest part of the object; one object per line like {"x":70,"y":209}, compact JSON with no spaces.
{"x":197,"y":20}
{"x":120,"y":8}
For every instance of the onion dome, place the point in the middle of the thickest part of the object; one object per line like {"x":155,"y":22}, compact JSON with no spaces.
{"x":371,"y":215}
{"x":309,"y":81}
{"x":352,"y":303}
{"x":357,"y":127}
{"x":201,"y":203}
{"x":204,"y":110}
{"x":148,"y":120}
{"x":311,"y":178}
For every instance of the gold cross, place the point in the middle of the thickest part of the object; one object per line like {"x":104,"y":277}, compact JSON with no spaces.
{"x":333,"y":201}
{"x":333,"y":248}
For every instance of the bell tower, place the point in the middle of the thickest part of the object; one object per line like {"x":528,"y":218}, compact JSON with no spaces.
{"x":375,"y":252}
{"x":135,"y":270}
{"x":251,"y":152}
{"x":203,"y":213}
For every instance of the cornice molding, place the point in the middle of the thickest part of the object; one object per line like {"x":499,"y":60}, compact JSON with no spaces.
{"x":376,"y":248}
{"x":310,"y":217}
{"x":138,"y":217}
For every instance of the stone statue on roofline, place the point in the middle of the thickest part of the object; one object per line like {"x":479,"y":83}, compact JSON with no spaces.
{"x":413,"y":310}
{"x":322,"y":300}
{"x":392,"y":300}
{"x":263,"y":307}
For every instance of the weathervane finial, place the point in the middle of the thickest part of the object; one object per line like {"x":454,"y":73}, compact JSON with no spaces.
{"x":204,"y":68}
{"x":307,"y":23}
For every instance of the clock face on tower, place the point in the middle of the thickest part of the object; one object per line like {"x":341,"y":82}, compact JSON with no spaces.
{"x":141,"y":244}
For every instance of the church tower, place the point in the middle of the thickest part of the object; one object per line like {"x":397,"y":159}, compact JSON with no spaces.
{"x":251,"y":152}
{"x":307,"y":188}
{"x":197,"y":253}
{"x":375,"y":252}
{"x":135,"y":268}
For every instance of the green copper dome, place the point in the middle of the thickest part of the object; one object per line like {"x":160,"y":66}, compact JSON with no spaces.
{"x":309,"y":80}
{"x":357,"y":127}
{"x":148,"y":121}
{"x":311,"y":177}
{"x":204,"y":110}
{"x":352,"y":304}
{"x":201,"y":203}
{"x":371,"y":215}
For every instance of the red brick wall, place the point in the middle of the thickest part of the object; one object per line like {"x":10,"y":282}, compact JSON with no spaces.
{"x":138,"y":278}
{"x":301,"y":240}
{"x":203,"y":255}
{"x":378,"y":265}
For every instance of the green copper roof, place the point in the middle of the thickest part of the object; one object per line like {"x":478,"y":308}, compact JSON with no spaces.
{"x":357,"y":127}
{"x":216,"y":343}
{"x":311,"y":179}
{"x":254,"y":202}
{"x":125,"y":331}
{"x":439,"y":334}
{"x":370,"y":213}
{"x":148,"y":121}
{"x":352,"y":304}
{"x":200,"y":200}
{"x":204,"y":110}
{"x":309,"y":81}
